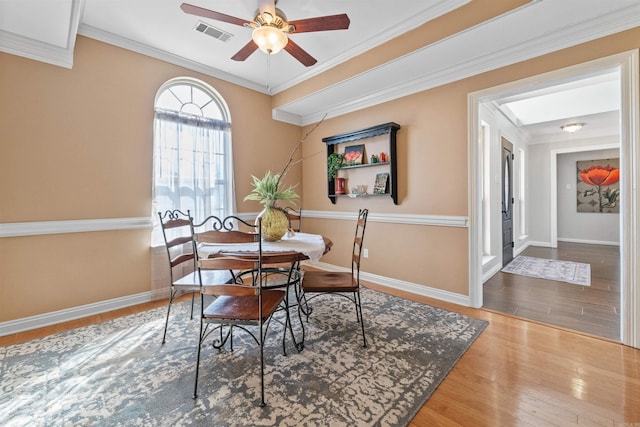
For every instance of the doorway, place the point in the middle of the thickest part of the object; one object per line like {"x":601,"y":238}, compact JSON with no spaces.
{"x":626,"y":64}
{"x":507,"y":201}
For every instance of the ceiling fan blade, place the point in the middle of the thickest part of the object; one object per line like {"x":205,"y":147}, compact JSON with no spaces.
{"x":322,"y":23}
{"x":300,"y":54}
{"x":247,"y":50}
{"x":206,"y":13}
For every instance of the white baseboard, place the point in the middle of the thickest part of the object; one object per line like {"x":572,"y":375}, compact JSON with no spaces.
{"x":517,"y":251}
{"x":401,"y":285}
{"x":588,"y":242}
{"x":60,"y":316}
{"x":541,"y":244}
{"x":55,"y":317}
{"x":487,"y":275}
{"x":493,"y":269}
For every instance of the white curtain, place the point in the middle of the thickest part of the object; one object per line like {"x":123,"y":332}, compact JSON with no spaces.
{"x":192,"y":167}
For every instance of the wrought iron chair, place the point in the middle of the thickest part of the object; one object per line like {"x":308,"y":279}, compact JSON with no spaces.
{"x":295,"y":218}
{"x":236,"y":306}
{"x":346,"y":284}
{"x":178,"y":234}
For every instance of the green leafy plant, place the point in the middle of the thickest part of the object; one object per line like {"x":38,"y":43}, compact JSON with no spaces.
{"x":334,"y":162}
{"x":267,"y":190}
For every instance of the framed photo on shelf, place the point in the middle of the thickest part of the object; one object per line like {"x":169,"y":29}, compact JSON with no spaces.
{"x":381,"y":184}
{"x":354,"y":155}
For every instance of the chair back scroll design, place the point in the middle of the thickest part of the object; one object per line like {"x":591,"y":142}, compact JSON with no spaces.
{"x":238,"y":305}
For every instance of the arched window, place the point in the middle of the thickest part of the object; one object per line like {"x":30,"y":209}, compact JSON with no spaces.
{"x":192,"y":161}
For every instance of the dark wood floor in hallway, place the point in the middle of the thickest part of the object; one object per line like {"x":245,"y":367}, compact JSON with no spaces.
{"x":591,"y":309}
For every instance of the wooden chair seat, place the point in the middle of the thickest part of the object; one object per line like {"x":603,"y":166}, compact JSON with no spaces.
{"x":329,"y":281}
{"x":245,"y":307}
{"x":191,"y":282}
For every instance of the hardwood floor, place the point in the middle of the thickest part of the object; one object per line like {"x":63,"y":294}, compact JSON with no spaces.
{"x":591,"y":309}
{"x":517,"y":373}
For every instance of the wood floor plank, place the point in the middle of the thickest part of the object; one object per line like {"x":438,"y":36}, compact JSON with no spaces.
{"x":529,"y":374}
{"x":517,"y":373}
{"x":593,"y":309}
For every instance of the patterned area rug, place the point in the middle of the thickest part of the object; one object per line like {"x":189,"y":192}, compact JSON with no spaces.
{"x":118,"y":373}
{"x":576,"y":273}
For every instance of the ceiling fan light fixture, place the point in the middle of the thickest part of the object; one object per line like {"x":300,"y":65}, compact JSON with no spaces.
{"x":572,"y":127}
{"x":269,"y":39}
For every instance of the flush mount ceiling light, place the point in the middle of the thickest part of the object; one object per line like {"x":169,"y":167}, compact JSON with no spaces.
{"x":572,"y":128}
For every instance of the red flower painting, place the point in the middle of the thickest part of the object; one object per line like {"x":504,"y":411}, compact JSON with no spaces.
{"x":600,"y":175}
{"x":600,"y":178}
{"x":354,"y":155}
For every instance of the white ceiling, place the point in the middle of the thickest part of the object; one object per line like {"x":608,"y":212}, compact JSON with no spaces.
{"x":591,"y":95}
{"x":592,"y":100}
{"x":163,"y":25}
{"x":45,"y":30}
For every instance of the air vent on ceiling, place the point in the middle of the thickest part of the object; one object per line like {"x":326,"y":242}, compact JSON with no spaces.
{"x":214,"y":32}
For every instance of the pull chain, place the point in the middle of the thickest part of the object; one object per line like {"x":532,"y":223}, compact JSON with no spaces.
{"x":269,"y":71}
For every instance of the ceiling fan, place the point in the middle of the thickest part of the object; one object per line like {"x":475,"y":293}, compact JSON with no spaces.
{"x":271,"y":29}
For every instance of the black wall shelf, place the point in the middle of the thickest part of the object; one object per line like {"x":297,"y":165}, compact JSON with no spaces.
{"x":390,"y":129}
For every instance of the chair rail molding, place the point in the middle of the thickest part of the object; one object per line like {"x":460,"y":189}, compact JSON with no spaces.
{"x":414,"y":219}
{"x":19,"y":229}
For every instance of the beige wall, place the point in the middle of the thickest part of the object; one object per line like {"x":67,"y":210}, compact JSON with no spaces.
{"x":77,"y":144}
{"x":432,"y":173}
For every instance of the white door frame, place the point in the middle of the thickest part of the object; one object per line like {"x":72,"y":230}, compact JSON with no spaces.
{"x":627,"y":64}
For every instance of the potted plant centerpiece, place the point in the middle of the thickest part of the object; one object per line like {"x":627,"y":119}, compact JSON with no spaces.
{"x":267,"y":191}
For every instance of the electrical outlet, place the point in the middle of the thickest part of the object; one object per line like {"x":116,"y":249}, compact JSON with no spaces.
{"x":365,"y":253}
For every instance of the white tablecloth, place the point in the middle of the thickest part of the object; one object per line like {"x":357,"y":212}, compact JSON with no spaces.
{"x":312,"y":245}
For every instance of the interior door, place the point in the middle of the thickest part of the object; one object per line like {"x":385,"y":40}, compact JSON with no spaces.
{"x":507,"y":202}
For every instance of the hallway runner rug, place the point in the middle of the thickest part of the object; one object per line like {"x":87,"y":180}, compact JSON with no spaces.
{"x":117,"y":373}
{"x":576,"y":273}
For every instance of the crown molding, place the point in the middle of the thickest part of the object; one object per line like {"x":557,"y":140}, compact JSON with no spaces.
{"x":125,"y":43}
{"x":500,"y":56}
{"x":419,"y":18}
{"x":283,"y":116}
{"x":37,"y":50}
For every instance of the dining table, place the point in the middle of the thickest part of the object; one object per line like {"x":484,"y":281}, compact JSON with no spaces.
{"x":281,"y":260}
